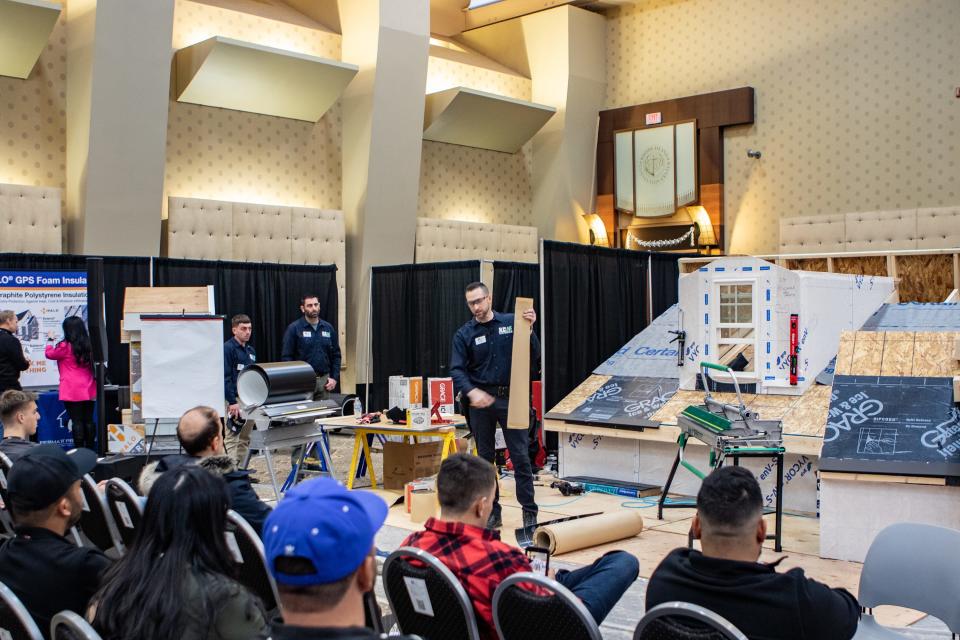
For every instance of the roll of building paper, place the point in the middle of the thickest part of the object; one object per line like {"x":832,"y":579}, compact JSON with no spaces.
{"x":588,"y":532}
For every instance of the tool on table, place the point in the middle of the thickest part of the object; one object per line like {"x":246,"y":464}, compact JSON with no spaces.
{"x":567,"y":488}
{"x":731,"y":431}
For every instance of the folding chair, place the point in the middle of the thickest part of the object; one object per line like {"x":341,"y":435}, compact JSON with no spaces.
{"x":426,"y":597}
{"x":684,"y":621}
{"x":521,"y":614}
{"x":125,"y":507}
{"x":15,"y":621}
{"x":247,"y":551}
{"x":96,"y":522}
{"x":67,"y":625}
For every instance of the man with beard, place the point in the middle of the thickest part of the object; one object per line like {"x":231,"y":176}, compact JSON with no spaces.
{"x":315,"y":342}
{"x":41,"y":566}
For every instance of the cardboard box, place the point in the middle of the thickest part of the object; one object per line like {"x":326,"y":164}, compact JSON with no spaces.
{"x":403,"y":462}
{"x":126,"y":438}
{"x":424,"y":504}
{"x":418,"y":417}
{"x":420,"y":484}
{"x":441,"y":390}
{"x":405,"y":393}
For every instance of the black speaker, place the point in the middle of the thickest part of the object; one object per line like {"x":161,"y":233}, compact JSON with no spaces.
{"x":96,"y":321}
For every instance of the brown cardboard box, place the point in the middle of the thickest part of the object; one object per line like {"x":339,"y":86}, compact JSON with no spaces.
{"x":403,"y":462}
{"x":423,"y":505}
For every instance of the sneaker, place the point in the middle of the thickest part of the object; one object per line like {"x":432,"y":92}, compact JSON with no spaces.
{"x":495,"y":521}
{"x":529,"y":519}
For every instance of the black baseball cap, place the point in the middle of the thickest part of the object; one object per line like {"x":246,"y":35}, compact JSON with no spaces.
{"x":45,"y":473}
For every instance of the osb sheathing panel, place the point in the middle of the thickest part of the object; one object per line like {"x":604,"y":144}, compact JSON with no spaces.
{"x":861,"y":265}
{"x":933,"y":354}
{"x":845,"y":353}
{"x":811,"y":264}
{"x":579,"y":395}
{"x":897,"y":358}
{"x":897,"y":353}
{"x":867,"y":353}
{"x":925,"y":278}
{"x":801,"y":415}
{"x":690,"y":267}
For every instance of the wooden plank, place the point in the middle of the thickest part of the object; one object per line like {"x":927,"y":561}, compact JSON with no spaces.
{"x":580,"y":394}
{"x":864,"y":266}
{"x":925,"y":278}
{"x":878,"y":477}
{"x":897,"y":359}
{"x":518,"y":410}
{"x":166,"y":300}
{"x":867,"y":353}
{"x":933,"y":354}
{"x":845,"y":352}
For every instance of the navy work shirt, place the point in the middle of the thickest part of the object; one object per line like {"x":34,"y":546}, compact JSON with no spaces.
{"x":482,"y":353}
{"x":236,"y":358}
{"x":320,"y":347}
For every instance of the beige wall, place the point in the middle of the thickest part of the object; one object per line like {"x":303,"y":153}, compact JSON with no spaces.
{"x":855,"y":107}
{"x":245,"y":157}
{"x":33,"y":120}
{"x":475,"y":185}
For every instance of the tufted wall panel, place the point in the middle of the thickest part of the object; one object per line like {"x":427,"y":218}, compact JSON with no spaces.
{"x":219,"y":230}
{"x":446,"y":240}
{"x":201,"y":229}
{"x":938,"y":228}
{"x":318,"y":237}
{"x":30,"y":219}
{"x":881,"y":230}
{"x":261,"y":233}
{"x":812,"y":234}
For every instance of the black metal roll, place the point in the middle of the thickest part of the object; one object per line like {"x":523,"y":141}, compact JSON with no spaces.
{"x":272,"y":382}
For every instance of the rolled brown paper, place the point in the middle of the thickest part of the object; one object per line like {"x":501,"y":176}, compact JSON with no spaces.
{"x":588,"y":532}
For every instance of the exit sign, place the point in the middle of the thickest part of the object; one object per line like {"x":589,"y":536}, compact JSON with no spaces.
{"x":654,"y":118}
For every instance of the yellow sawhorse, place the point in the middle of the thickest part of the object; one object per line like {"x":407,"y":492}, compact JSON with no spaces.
{"x":361,"y":443}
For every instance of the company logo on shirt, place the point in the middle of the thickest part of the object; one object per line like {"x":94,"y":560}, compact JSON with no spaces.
{"x":506,"y":330}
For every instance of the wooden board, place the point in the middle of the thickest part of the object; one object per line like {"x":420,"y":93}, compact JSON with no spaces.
{"x":925,"y":278}
{"x":518,"y":411}
{"x":166,"y":300}
{"x":580,"y":394}
{"x":897,"y":358}
{"x":861,"y":265}
{"x":845,"y":352}
{"x":809,"y":264}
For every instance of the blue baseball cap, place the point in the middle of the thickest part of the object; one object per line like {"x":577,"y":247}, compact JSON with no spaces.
{"x":325,"y":523}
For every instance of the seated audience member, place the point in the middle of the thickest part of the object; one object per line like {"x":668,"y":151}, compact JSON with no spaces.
{"x":727,"y":578}
{"x":466,"y":487}
{"x":319,"y":547}
{"x":48,"y":572}
{"x":175,"y":580}
{"x":201,"y":436}
{"x":18,"y":412}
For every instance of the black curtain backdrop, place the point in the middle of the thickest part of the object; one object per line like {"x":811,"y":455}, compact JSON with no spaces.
{"x":416,"y":309}
{"x":595,"y":301}
{"x":664,"y":276}
{"x":512,"y":280}
{"x":268,"y":293}
{"x":118,"y":274}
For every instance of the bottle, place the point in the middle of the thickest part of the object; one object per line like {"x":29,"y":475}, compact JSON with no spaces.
{"x":357,"y":406}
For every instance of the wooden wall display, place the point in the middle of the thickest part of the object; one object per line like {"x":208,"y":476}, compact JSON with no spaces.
{"x":861,"y":265}
{"x":813,"y":264}
{"x":925,"y":278}
{"x":712,"y":112}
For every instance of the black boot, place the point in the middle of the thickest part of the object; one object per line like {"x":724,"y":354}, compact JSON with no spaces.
{"x":90,"y":436}
{"x":495,"y":521}
{"x":77,"y":429}
{"x":529,"y":519}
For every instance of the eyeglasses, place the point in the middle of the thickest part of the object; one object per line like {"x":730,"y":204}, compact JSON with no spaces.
{"x":476,"y":303}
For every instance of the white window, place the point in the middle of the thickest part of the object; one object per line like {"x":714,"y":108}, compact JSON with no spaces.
{"x":736,"y":331}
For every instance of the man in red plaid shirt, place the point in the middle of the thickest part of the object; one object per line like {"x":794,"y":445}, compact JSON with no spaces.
{"x":466,"y":487}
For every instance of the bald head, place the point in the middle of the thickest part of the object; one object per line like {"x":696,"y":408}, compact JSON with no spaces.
{"x":199,"y":432}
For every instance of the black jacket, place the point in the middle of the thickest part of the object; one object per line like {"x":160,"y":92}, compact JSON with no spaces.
{"x":280,"y":631}
{"x":12,"y":361}
{"x":763,"y":604}
{"x":243,"y":499}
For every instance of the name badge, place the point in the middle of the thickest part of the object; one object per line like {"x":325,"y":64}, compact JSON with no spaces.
{"x":506,"y":330}
{"x":253,"y":358}
{"x":307,"y":334}
{"x":479,"y":340}
{"x":325,"y":334}
{"x":240,"y":367}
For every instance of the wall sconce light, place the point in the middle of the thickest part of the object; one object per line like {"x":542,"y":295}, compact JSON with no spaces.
{"x":598,"y":232}
{"x":701,"y":218}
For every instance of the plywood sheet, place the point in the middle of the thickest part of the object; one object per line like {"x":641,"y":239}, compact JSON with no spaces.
{"x":897,"y":359}
{"x":518,"y":409}
{"x":861,"y":265}
{"x":810,"y":264}
{"x":579,"y":395}
{"x":867,"y":354}
{"x":925,"y":278}
{"x":845,"y":353}
{"x":166,"y":300}
{"x":933,"y":354}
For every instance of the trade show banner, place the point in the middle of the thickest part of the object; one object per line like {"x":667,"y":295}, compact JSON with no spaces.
{"x":41,"y":300}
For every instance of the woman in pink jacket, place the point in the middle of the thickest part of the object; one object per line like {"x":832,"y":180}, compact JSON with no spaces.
{"x":74,"y":356}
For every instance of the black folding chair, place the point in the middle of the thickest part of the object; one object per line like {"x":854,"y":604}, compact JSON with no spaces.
{"x":96,"y":522}
{"x":684,"y":621}
{"x":426,"y":597}
{"x":247,"y":550}
{"x":125,"y":507}
{"x":519,"y":613}
{"x":15,"y":620}
{"x":67,"y":625}
{"x":6,"y":518}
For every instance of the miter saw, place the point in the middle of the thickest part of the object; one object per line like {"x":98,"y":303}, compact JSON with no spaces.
{"x":731,"y":431}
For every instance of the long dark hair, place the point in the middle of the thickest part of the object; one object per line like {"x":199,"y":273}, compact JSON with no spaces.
{"x":75,"y":333}
{"x":182,"y":533}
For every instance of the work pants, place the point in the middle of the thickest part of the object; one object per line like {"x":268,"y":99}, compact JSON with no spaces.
{"x":237,"y":443}
{"x":601,"y":585}
{"x":483,"y":423}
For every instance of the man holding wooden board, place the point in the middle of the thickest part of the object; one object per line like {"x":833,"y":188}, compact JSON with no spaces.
{"x":481,"y":365}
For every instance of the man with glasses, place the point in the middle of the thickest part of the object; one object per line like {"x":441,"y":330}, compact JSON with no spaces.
{"x":480,"y":367}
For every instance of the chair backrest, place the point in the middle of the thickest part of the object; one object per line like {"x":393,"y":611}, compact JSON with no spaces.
{"x":5,"y":462}
{"x":426,"y":597}
{"x":15,"y":620}
{"x":125,"y":507}
{"x":247,"y":551}
{"x":684,"y":621}
{"x":916,"y":566}
{"x":67,"y":625}
{"x":520,"y":613}
{"x":96,"y":522}
{"x":5,"y":465}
